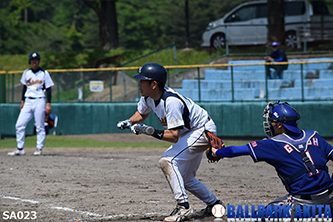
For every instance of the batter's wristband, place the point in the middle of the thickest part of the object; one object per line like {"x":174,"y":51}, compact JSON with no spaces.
{"x":158,"y":134}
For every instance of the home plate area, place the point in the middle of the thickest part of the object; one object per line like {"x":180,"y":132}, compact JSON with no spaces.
{"x":119,"y":184}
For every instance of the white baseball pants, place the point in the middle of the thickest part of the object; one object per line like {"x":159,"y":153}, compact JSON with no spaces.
{"x":32,"y":108}
{"x":322,"y":198}
{"x":181,"y":162}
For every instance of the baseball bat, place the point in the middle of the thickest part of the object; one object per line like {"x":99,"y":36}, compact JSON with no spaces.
{"x":149,"y":130}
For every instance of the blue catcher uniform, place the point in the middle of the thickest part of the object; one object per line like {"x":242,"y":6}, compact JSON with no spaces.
{"x":298,"y":156}
{"x":283,"y":152}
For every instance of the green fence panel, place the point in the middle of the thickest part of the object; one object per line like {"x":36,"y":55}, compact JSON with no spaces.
{"x":316,"y":116}
{"x":232,"y":119}
{"x":91,"y":118}
{"x":237,"y":119}
{"x":245,"y":119}
{"x":8,"y":117}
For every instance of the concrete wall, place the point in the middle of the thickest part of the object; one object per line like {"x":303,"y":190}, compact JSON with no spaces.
{"x":232,"y":119}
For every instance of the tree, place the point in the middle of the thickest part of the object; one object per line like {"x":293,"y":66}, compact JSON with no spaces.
{"x":22,"y":5}
{"x":59,"y":26}
{"x":108,"y":25}
{"x":275,"y":17}
{"x":187,"y":25}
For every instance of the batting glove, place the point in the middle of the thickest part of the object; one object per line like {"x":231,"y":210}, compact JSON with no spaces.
{"x":142,"y":128}
{"x":124,"y":124}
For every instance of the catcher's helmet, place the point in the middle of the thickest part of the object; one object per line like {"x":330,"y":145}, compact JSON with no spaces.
{"x":283,"y":113}
{"x":34,"y":55}
{"x":152,"y":71}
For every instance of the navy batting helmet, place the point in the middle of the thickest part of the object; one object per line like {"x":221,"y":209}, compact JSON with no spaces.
{"x":282,"y":112}
{"x":152,"y":71}
{"x":34,"y":55}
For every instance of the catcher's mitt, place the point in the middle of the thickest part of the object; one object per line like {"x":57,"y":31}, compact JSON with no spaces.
{"x":215,"y":142}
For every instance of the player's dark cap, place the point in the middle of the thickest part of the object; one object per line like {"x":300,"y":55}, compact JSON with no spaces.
{"x":152,"y":71}
{"x":287,"y":115}
{"x":34,"y":55}
{"x":275,"y":44}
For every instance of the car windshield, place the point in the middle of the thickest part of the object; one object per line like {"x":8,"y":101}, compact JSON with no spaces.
{"x":243,"y":14}
{"x":320,"y":8}
{"x":294,"y":8}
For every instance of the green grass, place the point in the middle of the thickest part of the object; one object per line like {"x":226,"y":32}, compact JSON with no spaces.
{"x":78,"y":59}
{"x":69,"y":95}
{"x":184,"y":57}
{"x":65,"y":96}
{"x":166,"y":58}
{"x":61,"y":141}
{"x":14,"y":62}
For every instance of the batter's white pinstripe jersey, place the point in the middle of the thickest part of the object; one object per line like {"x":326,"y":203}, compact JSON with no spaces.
{"x":175,"y":110}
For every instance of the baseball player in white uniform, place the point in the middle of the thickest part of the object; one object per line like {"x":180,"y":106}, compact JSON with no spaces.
{"x":184,"y":123}
{"x":36,"y":82}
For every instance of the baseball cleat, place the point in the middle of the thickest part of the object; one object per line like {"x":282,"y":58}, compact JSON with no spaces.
{"x":38,"y":152}
{"x":179,"y":214}
{"x":207,"y":212}
{"x":17,"y":153}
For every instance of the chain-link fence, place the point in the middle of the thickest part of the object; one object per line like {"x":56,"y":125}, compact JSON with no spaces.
{"x":235,"y":81}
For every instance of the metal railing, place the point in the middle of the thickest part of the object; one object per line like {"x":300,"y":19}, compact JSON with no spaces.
{"x":68,"y":81}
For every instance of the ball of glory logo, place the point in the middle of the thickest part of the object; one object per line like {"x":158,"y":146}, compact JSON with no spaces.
{"x":33,"y":82}
{"x":276,"y":212}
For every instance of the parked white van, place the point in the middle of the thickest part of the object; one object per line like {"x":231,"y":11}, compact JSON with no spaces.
{"x":247,"y":24}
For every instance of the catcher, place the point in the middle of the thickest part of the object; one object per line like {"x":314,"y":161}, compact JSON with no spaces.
{"x":298,"y":156}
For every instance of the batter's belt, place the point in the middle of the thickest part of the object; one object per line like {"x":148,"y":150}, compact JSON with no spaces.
{"x":35,"y":97}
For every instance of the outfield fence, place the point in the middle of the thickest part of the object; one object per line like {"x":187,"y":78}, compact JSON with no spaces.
{"x":236,"y":81}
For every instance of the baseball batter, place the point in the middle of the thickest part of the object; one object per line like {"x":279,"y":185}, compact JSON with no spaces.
{"x":35,"y":82}
{"x":184,"y":123}
{"x":298,"y":156}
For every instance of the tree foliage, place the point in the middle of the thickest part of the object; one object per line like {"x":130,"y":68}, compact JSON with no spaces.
{"x":74,"y":25}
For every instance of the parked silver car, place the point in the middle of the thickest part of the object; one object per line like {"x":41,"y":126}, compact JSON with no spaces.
{"x":247,"y":24}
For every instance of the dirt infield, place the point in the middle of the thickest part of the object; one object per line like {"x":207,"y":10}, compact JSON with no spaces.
{"x":109,"y":184}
